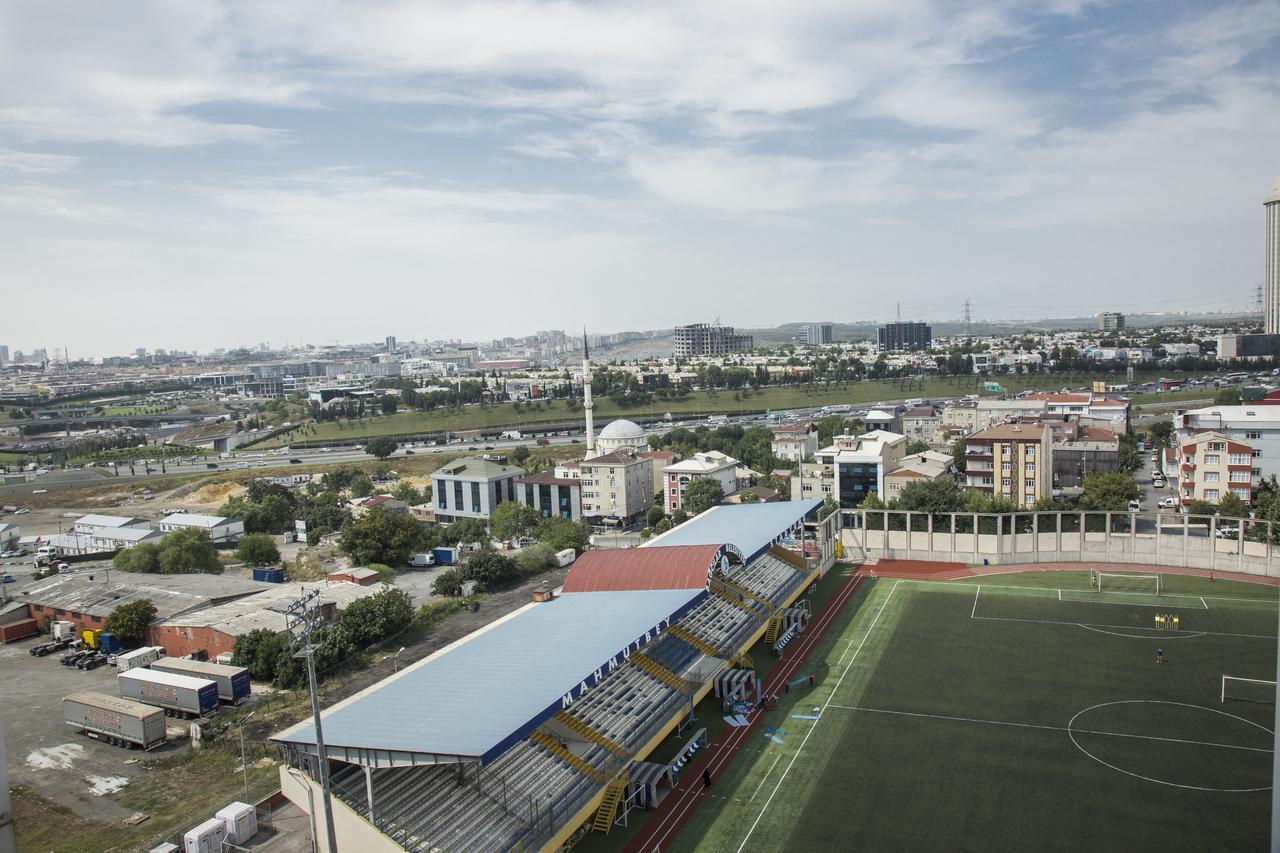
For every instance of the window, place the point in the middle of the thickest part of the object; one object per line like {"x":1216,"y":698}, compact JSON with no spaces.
{"x":457,"y":494}
{"x":1240,"y":476}
{"x":1031,"y":467}
{"x":1253,"y":435}
{"x":1242,"y":494}
{"x":1006,"y":483}
{"x":1212,"y":459}
{"x":1031,"y":483}
{"x":475,"y":497}
{"x":1217,"y":445}
{"x":1211,"y":476}
{"x":1257,"y":454}
{"x":1006,"y":467}
{"x":1211,"y":494}
{"x":1238,"y":459}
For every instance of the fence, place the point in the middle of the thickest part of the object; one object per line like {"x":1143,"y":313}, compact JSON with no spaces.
{"x":1165,"y":539}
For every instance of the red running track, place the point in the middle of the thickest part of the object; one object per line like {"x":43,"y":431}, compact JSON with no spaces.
{"x":666,"y":821}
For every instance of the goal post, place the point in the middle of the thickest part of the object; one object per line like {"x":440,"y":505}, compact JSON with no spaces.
{"x":1239,"y":689}
{"x":1103,"y":581}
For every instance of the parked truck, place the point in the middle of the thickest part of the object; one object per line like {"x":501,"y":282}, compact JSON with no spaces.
{"x":122,"y":722}
{"x":18,"y":630}
{"x":445,"y":556}
{"x":184,"y":695}
{"x":232,"y":681}
{"x":144,"y":656}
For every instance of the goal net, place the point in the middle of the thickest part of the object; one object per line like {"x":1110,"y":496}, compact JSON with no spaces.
{"x":1238,"y":689}
{"x":1116,"y":582}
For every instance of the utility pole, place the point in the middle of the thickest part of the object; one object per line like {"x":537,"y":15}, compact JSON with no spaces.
{"x":301,"y":620}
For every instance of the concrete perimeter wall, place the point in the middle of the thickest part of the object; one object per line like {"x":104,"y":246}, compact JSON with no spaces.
{"x":1057,"y":537}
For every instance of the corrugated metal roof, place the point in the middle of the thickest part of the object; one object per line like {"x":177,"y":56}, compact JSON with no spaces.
{"x":751,"y":528}
{"x":487,"y":691}
{"x":171,"y":594}
{"x":617,"y":570}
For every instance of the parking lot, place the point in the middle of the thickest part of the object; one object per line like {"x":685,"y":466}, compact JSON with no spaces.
{"x":48,"y":756}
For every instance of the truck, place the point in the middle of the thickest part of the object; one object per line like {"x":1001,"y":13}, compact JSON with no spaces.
{"x":138,"y":657}
{"x":445,"y":556}
{"x":422,"y":561}
{"x":511,"y":435}
{"x":19,"y":630}
{"x":232,"y":681}
{"x":184,"y":695}
{"x":117,"y":721}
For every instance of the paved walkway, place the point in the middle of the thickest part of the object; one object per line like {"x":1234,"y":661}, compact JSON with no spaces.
{"x":666,"y":821}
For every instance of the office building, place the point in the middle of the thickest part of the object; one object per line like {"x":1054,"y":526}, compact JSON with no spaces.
{"x":554,"y":494}
{"x":1111,"y":321}
{"x":816,"y":334}
{"x":856,"y":466}
{"x":1271,"y":306}
{"x":472,"y":488}
{"x":703,"y":339}
{"x":390,"y":343}
{"x":4,"y":355}
{"x":905,"y":336}
{"x":1011,"y":461}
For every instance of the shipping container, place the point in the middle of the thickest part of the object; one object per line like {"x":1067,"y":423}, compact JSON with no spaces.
{"x":205,"y":838}
{"x":138,"y":657}
{"x":19,"y":630}
{"x":240,"y":820}
{"x":445,"y":556}
{"x":114,"y":720}
{"x":232,"y":681}
{"x":182,"y":694}
{"x":269,"y":575}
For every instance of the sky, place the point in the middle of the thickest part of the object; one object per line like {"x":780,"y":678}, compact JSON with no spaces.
{"x":190,"y":175}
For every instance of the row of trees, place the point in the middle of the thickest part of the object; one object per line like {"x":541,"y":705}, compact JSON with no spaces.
{"x":366,"y":621}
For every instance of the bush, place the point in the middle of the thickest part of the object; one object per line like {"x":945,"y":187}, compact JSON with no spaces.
{"x":382,"y":537}
{"x":129,"y":621}
{"x":188,"y":551}
{"x":535,"y":559}
{"x":448,"y":583}
{"x":257,"y":549}
{"x":490,"y":571}
{"x":143,"y":557}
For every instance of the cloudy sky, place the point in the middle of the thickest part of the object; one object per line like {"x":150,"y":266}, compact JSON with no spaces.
{"x":196,"y":174}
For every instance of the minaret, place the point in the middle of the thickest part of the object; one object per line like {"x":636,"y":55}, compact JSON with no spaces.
{"x":586,"y":395}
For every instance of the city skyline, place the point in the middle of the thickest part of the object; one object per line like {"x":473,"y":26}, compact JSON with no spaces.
{"x":219,"y":171}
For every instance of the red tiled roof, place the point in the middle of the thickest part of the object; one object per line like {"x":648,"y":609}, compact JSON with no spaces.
{"x":661,"y":567}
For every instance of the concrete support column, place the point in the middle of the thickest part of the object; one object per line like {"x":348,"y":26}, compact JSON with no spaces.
{"x":1035,"y":536}
{"x":368,"y":786}
{"x":976,"y":558}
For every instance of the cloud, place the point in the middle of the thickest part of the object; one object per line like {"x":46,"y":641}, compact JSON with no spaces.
{"x":35,"y":163}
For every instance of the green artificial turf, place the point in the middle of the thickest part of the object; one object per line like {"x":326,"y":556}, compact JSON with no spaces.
{"x":1010,"y":716}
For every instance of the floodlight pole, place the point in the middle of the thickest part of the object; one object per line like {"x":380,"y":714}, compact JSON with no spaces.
{"x":1275,"y":758}
{"x":302,"y":618}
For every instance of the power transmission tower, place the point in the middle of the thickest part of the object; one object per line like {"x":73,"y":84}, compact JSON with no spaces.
{"x":301,"y":620}
{"x":968,"y":318}
{"x":1258,"y":300}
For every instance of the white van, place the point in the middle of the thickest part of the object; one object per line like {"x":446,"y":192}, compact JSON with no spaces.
{"x":422,"y":561}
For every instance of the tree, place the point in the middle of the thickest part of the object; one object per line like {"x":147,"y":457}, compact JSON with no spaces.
{"x":189,"y":551}
{"x":957,"y":454}
{"x":448,"y":583}
{"x":933,"y":496}
{"x":510,"y":521}
{"x":490,"y":571}
{"x":702,"y":494}
{"x":1232,"y":507}
{"x":257,"y":549}
{"x":381,"y":446}
{"x":129,"y":621}
{"x":361,"y":486}
{"x":1108,"y":492}
{"x":465,"y":530}
{"x":749,"y":498}
{"x":828,"y":506}
{"x":916,"y":446}
{"x":143,"y":557}
{"x":679,"y":517}
{"x":379,"y":536}
{"x":1160,"y":432}
{"x":535,"y":558}
{"x":1227,"y":397}
{"x":520,"y":454}
{"x":378,"y":616}
{"x":1202,"y":507}
{"x":654,"y":514}
{"x":561,"y":533}
{"x":406,"y":492}
{"x":259,"y":651}
{"x":324,"y":513}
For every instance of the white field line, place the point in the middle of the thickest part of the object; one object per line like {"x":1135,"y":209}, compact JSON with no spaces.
{"x":825,"y":705}
{"x":1205,"y":603}
{"x":963,"y":582}
{"x":765,"y":777}
{"x":1172,"y":634}
{"x":1051,"y":728}
{"x":976,"y":593}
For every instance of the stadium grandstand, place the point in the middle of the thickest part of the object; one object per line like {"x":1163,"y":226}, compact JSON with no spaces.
{"x":537,"y":726}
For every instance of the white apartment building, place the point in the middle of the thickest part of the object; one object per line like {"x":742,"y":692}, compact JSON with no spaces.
{"x":857,"y":464}
{"x":1255,"y":425}
{"x":795,"y":442}
{"x":713,"y":464}
{"x":617,"y":487}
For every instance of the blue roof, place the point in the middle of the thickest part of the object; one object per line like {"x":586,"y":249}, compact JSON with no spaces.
{"x":752,"y":528}
{"x":484,"y":693}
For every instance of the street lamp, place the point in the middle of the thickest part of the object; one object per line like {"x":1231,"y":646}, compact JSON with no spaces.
{"x":395,"y":662}
{"x":244,"y":768}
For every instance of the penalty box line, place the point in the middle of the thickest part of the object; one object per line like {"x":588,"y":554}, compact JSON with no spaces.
{"x":1068,"y":729}
{"x":1177,"y":635}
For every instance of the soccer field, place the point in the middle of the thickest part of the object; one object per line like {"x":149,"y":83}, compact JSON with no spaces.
{"x":1024,"y":713}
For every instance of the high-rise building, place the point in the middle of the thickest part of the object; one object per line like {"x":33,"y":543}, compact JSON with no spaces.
{"x":816,"y":334}
{"x":905,"y":336}
{"x":4,"y":355}
{"x":710,"y":339}
{"x":1111,"y":321}
{"x":140,"y":353}
{"x":1271,"y":308}
{"x":390,"y":343}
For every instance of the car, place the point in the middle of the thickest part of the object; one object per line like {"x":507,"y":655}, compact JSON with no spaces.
{"x":296,"y":462}
{"x":6,"y":579}
{"x":488,"y":447}
{"x":21,"y":511}
{"x":10,"y":553}
{"x":1135,"y":506}
{"x":1169,"y":503}
{"x":1228,"y":532}
{"x":39,"y":491}
{"x":213,"y":465}
{"x":1157,"y":474}
{"x":473,"y":448}
{"x":63,"y":568}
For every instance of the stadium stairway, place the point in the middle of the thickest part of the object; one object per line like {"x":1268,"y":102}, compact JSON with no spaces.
{"x":734,"y":586}
{"x":548,"y":743}
{"x":657,"y":670}
{"x":790,"y":557}
{"x":697,"y":643}
{"x":578,"y":727}
{"x":609,"y":806}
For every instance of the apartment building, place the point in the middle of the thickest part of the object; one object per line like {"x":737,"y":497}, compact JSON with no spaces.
{"x":857,"y":464}
{"x":923,"y":423}
{"x":617,"y":487}
{"x":1013,"y":461}
{"x":795,"y":442}
{"x":713,"y":464}
{"x":1211,"y":464}
{"x":1253,"y":424}
{"x":709,"y":339}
